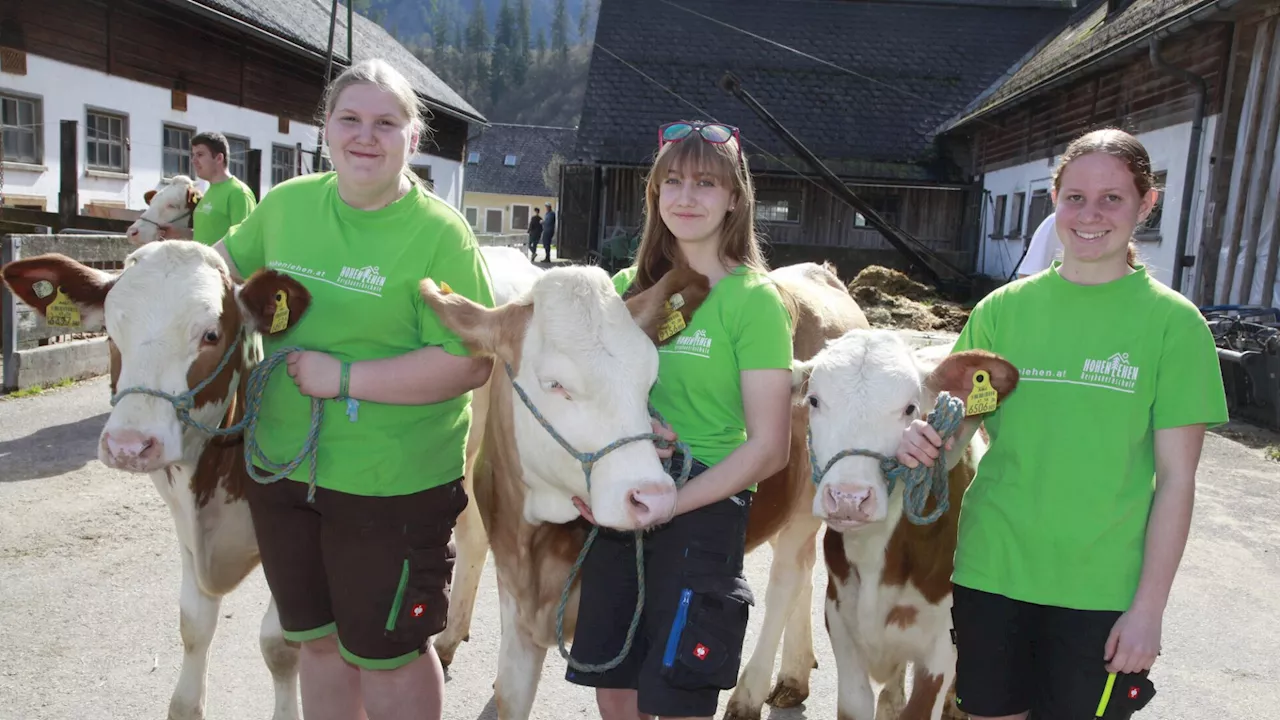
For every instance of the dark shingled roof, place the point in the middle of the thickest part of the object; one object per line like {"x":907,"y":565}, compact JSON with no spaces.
{"x":533,"y":147}
{"x":911,"y":66}
{"x":1089,"y":36}
{"x":306,"y":23}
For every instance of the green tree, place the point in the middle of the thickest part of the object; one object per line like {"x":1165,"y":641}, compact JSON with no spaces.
{"x":504,"y":51}
{"x":521,"y":61}
{"x":560,"y":30}
{"x":477,"y":53}
{"x":541,"y":46}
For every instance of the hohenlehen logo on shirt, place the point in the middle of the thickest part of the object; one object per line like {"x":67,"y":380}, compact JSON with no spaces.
{"x":697,"y":344}
{"x":366,"y":279}
{"x":204,"y":207}
{"x":1114,"y":372}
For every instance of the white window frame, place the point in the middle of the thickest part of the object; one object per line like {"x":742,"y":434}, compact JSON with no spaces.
{"x":528,"y":215}
{"x":502,"y":219}
{"x":292,"y":168}
{"x":242,"y":161}
{"x":472,"y":213}
{"x":100,"y":142}
{"x":183,"y":155}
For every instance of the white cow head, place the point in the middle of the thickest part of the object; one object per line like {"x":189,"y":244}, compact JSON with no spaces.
{"x":171,"y":203}
{"x":171,"y":317}
{"x":863,"y":389}
{"x":587,"y":361}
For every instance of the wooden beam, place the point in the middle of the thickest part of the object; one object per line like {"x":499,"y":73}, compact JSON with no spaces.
{"x":12,"y":217}
{"x":69,"y":190}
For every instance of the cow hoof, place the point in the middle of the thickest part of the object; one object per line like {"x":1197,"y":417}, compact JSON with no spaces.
{"x":787,"y":694}
{"x":740,"y":713}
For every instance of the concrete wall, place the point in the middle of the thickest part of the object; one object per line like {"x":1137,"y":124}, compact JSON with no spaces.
{"x":67,"y":92}
{"x":1168,"y":150}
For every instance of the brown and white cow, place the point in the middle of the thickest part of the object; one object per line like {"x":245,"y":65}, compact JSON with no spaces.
{"x":171,"y":203}
{"x":888,"y":579}
{"x":171,"y":316}
{"x":587,"y":361}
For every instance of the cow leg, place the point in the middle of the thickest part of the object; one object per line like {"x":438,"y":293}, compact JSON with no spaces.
{"x":893,"y":696}
{"x":282,"y":660}
{"x":472,"y":548}
{"x":798,"y":658}
{"x":519,"y":663}
{"x":199,"y":620}
{"x":931,"y":683}
{"x":854,"y":700}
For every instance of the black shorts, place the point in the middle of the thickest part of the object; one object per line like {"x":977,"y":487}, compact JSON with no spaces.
{"x":1016,"y":656}
{"x":375,"y":570}
{"x":688,"y":646}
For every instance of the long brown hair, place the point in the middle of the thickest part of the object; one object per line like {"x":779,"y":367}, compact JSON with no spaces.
{"x":658,"y":251}
{"x":1122,"y":146}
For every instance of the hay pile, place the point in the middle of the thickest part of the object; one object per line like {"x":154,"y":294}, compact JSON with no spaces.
{"x":893,"y":300}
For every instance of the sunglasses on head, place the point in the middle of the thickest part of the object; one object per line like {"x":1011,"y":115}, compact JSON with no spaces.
{"x":716,"y":133}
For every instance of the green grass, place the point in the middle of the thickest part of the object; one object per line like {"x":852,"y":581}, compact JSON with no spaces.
{"x":37,"y":389}
{"x":1272,"y":452}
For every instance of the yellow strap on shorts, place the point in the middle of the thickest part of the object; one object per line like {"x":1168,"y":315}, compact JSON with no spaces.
{"x":1106,"y":695}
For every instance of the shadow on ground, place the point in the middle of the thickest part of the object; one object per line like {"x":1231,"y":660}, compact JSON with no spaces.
{"x":51,"y":451}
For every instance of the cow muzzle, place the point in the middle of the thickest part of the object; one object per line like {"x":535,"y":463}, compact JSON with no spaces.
{"x":650,"y":504}
{"x":132,"y":451}
{"x":849,"y":505}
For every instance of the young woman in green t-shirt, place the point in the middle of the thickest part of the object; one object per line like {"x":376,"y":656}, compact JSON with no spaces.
{"x":361,"y":575}
{"x":724,"y":387}
{"x":1067,"y":548}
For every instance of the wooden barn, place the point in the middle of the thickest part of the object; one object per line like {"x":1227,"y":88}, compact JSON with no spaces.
{"x":863,"y":85}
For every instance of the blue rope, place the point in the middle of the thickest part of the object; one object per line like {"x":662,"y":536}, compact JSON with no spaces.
{"x":920,"y":482}
{"x":184,"y":402}
{"x":588,"y":461}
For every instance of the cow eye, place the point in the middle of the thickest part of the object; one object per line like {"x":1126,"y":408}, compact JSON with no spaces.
{"x":911,"y":410}
{"x":813,"y":401}
{"x":211,"y":337}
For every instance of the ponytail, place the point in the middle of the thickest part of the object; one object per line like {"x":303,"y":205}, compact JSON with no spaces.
{"x":1131,"y":256}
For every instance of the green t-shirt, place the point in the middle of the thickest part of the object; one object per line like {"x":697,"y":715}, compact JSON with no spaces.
{"x":363,"y":269}
{"x":742,"y":325}
{"x":225,"y":204}
{"x":1057,"y":514}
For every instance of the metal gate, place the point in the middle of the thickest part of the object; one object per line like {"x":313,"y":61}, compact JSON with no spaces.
{"x":576,"y":216}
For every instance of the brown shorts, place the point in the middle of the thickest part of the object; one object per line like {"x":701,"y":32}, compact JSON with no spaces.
{"x":376,"y":570}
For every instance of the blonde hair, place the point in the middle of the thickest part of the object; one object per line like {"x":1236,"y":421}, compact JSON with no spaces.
{"x":379,"y":73}
{"x":658,"y":251}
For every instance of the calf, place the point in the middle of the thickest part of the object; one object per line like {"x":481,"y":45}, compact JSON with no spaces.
{"x":169,"y":204}
{"x":888,"y":580}
{"x":172,"y":316}
{"x":586,"y":360}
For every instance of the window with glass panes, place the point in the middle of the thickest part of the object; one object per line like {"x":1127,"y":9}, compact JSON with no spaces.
{"x":282,"y":164}
{"x":20,"y":117}
{"x":177,"y":151}
{"x":106,"y":141}
{"x":238,"y":158}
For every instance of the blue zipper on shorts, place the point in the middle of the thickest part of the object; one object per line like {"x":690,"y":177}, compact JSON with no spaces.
{"x":677,"y":627}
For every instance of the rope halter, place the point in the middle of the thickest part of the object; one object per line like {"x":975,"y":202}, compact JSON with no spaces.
{"x":920,"y":482}
{"x":184,"y":402}
{"x":588,"y":461}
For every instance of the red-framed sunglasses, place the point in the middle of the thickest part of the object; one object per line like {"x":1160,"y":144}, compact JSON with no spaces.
{"x":717,"y":133}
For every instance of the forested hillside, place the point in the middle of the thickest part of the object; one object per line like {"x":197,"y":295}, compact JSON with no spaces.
{"x":517,"y":61}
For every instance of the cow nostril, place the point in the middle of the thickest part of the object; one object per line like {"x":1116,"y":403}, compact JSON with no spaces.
{"x":634,"y":498}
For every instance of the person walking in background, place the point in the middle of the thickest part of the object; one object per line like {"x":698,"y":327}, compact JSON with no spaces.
{"x":535,"y":232}
{"x":548,"y":232}
{"x":227,"y":202}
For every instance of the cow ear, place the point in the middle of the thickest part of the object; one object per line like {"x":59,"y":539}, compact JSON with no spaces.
{"x":956,"y":373}
{"x":800,"y":371}
{"x":494,"y":332}
{"x":682,"y":286}
{"x":41,"y":280}
{"x":147,"y":196}
{"x":272,"y":302}
{"x":193,"y":197}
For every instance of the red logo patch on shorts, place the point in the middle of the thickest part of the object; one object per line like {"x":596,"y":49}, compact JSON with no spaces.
{"x":419,"y":610}
{"x":1133,"y":693}
{"x":701,"y":651}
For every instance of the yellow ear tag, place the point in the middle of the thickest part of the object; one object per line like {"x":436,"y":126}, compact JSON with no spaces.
{"x":280,"y":320}
{"x":62,"y":312}
{"x":673,"y":324}
{"x":983,"y":397}
{"x":445,"y":289}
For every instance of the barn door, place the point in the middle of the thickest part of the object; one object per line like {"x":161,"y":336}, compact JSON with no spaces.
{"x":575,"y":218}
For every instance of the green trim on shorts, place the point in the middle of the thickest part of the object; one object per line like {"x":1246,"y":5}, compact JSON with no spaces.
{"x":388,"y":664}
{"x":316,"y":634}
{"x":398,"y":602}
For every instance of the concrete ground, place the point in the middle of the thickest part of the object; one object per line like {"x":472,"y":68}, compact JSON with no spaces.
{"x":89,"y":584}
